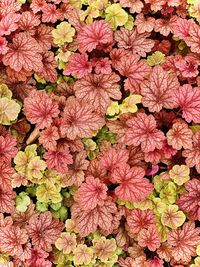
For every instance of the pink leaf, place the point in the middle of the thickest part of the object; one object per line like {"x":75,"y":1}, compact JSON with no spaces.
{"x":88,"y":221}
{"x":96,"y":34}
{"x":91,"y":193}
{"x":184,"y":241}
{"x":80,"y":119}
{"x":140,"y":219}
{"x":39,"y":109}
{"x":149,"y":238}
{"x":158,"y":91}
{"x":23,"y":53}
{"x":44,"y":230}
{"x":142,"y":131}
{"x":78,"y":65}
{"x":180,"y":136}
{"x":132,"y":40}
{"x":192,"y":154}
{"x":188,"y":99}
{"x":97,"y":89}
{"x":189,"y":201}
{"x":132,"y":184}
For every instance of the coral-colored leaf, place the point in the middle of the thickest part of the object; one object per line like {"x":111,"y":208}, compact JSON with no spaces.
{"x":136,"y":71}
{"x":189,"y":201}
{"x":142,"y":131}
{"x":149,"y":238}
{"x":158,"y":91}
{"x":12,"y":239}
{"x":192,"y":154}
{"x":49,"y":72}
{"x":88,"y":221}
{"x":114,"y":158}
{"x":132,"y":40}
{"x":58,"y":159}
{"x":91,"y":193}
{"x":188,"y":99}
{"x":97,"y":89}
{"x":132,"y":184}
{"x":140,"y":219}
{"x":7,"y":199}
{"x":43,"y":230}
{"x":95,"y":35}
{"x":180,"y":136}
{"x":143,"y":24}
{"x":23,"y":53}
{"x":184,"y":241}
{"x":134,"y":5}
{"x":78,"y":65}
{"x":80,"y":119}
{"x":9,"y":24}
{"x":7,"y":148}
{"x":39,"y":108}
{"x":193,"y":39}
{"x":6,"y":172}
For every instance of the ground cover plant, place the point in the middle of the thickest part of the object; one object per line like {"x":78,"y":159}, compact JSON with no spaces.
{"x":99,"y":133}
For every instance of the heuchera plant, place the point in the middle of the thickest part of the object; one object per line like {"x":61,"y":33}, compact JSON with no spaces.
{"x":99,"y":133}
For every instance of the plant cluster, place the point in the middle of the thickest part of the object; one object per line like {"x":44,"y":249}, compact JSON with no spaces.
{"x":99,"y":133}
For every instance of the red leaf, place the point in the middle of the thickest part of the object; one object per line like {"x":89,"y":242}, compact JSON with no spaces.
{"x":158,"y":91}
{"x":97,"y":89}
{"x":132,"y":184}
{"x":91,"y":193}
{"x":188,"y":99}
{"x":96,"y":34}
{"x":79,"y":119}
{"x":189,"y":201}
{"x":43,"y":230}
{"x":142,"y":131}
{"x":184,"y":241}
{"x":132,"y":40}
{"x":23,"y":53}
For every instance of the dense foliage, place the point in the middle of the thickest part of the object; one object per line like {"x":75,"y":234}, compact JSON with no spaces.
{"x":99,"y":133}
